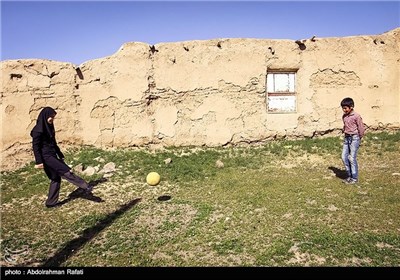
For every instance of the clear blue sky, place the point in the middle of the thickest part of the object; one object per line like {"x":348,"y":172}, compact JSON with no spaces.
{"x":77,"y":31}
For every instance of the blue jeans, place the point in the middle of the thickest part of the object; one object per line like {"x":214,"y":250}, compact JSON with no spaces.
{"x":349,"y":155}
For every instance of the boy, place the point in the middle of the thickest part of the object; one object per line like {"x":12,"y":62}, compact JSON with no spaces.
{"x":353,"y":132}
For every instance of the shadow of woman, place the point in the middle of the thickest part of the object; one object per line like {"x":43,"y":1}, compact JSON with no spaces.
{"x":74,"y":245}
{"x":81,"y":193}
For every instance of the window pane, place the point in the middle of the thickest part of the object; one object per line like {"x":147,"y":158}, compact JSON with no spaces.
{"x":282,"y":103}
{"x":282,"y":83}
{"x":270,"y":83}
{"x":291,"y":82}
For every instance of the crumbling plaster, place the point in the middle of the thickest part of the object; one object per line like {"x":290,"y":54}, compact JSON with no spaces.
{"x":208,"y":93}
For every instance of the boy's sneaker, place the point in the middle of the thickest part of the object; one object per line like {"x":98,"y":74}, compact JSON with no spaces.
{"x":347,"y":180}
{"x":351,"y":182}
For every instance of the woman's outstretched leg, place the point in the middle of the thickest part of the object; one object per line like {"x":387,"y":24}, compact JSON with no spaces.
{"x":77,"y":181}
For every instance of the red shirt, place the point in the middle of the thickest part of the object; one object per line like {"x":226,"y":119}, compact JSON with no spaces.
{"x":353,"y":124}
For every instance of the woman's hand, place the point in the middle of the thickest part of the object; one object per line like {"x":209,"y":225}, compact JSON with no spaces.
{"x":39,"y":166}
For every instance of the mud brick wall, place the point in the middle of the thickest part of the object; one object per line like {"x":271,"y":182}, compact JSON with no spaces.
{"x":205,"y":93}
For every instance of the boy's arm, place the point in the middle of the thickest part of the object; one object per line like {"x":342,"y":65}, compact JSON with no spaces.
{"x":360,"y":127}
{"x":344,"y":124}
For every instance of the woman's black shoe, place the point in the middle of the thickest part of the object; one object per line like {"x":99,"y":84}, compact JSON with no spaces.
{"x":58,"y":204}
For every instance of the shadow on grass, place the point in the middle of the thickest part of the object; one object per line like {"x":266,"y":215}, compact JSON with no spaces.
{"x":164,"y":198}
{"x":88,"y":234}
{"x":342,"y":174}
{"x":81,"y":193}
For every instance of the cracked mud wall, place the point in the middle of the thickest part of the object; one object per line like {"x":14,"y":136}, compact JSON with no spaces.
{"x":200,"y":93}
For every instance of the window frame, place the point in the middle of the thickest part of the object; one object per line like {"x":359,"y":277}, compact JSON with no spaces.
{"x":281,"y":93}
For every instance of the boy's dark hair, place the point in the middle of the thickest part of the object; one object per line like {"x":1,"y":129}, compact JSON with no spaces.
{"x":348,"y":102}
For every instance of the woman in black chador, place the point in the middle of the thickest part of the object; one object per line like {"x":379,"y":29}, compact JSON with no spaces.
{"x":49,"y":156}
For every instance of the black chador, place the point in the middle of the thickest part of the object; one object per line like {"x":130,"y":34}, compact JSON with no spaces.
{"x":49,"y":156}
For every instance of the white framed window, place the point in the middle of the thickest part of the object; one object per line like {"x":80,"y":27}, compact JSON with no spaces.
{"x":281,"y":92}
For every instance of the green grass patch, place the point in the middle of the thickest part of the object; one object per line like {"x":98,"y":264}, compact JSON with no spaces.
{"x":277,"y":204}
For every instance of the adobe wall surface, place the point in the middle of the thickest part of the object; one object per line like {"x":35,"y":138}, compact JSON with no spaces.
{"x":208,"y":93}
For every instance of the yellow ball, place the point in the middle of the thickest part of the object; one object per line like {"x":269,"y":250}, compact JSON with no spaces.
{"x":153,"y":178}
